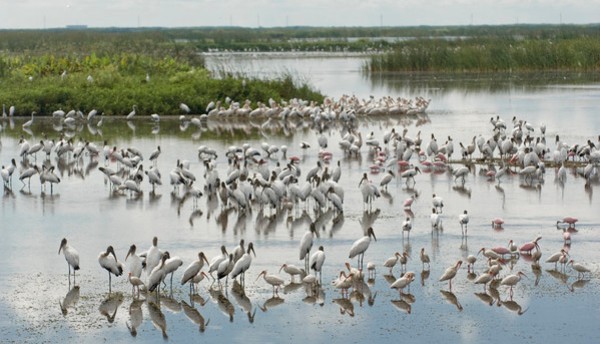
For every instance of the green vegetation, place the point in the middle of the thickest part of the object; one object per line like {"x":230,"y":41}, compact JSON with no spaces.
{"x":491,"y":55}
{"x":44,"y":71}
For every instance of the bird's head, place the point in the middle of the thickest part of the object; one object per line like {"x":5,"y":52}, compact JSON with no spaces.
{"x":63,"y":243}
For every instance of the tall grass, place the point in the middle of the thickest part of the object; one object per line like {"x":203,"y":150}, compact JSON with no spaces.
{"x":491,"y":55}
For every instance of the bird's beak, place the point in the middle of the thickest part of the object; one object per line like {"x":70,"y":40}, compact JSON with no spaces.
{"x":253,"y":251}
{"x":257,"y":277}
{"x":206,"y":260}
{"x":281,"y":268}
{"x":128,"y":253}
{"x":60,"y":248}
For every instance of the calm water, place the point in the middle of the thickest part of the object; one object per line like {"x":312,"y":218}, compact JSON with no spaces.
{"x":83,"y":209}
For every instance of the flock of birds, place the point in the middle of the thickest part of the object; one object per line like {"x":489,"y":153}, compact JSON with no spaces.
{"x":269,"y":179}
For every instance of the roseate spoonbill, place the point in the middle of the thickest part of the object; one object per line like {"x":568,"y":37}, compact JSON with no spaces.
{"x":361,"y":245}
{"x":274,"y":281}
{"x":497,"y":223}
{"x":71,"y":256}
{"x":403,"y":281}
{"x":424,"y":258}
{"x":568,"y":220}
{"x":111,"y":264}
{"x":463,"y":219}
{"x":449,"y":274}
{"x":528,"y":247}
{"x":581,"y":270}
{"x":409,"y":201}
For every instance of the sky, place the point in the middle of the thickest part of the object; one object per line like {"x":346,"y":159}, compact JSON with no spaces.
{"x":18,"y":14}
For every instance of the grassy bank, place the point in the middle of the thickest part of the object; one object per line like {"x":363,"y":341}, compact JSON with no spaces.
{"x":491,"y":55}
{"x":111,"y":71}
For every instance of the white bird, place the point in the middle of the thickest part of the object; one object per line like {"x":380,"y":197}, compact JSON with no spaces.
{"x":274,"y":281}
{"x":239,"y":251}
{"x":392,"y":261}
{"x":183,"y":107}
{"x":171,"y":265}
{"x":132,"y":113}
{"x":360,"y":246}
{"x":403,"y":281}
{"x":214,"y":263}
{"x":154,"y":155}
{"x":292,"y":270}
{"x":157,"y":275}
{"x":153,"y":256}
{"x":30,"y":122}
{"x":450,"y":272}
{"x":436,"y":220}
{"x":581,"y":270}
{"x":438,"y":203}
{"x":316,"y":261}
{"x":71,"y":256}
{"x":111,"y":264}
{"x":193,"y":269}
{"x":306,"y":244}
{"x":424,"y":258}
{"x":387,"y":179}
{"x":243,"y":264}
{"x":512,"y":280}
{"x":155,"y":117}
{"x":406,"y":227}
{"x":136,"y":282}
{"x":225,"y":268}
{"x":464,"y":221}
{"x":135,"y":262}
{"x":410,"y":174}
{"x":484,"y":278}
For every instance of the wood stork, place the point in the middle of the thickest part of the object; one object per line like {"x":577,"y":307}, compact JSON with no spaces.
{"x":214,"y":263}
{"x":463,"y":219}
{"x":71,"y":256}
{"x":238,"y":251}
{"x":436,"y":219}
{"x":406,"y":227}
{"x":111,"y":264}
{"x":361,"y":245}
{"x":273,"y":280}
{"x":157,"y":275}
{"x":153,"y":256}
{"x":306,"y":244}
{"x":243,"y":264}
{"x":154,"y":155}
{"x":135,"y":262}
{"x":317,"y":259}
{"x":193,"y":269}
{"x":387,"y":179}
{"x":410,"y":174}
{"x":225,"y":268}
{"x":438,"y":203}
{"x":171,"y":265}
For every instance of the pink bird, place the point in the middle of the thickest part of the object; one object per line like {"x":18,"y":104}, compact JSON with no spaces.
{"x":501,"y":250}
{"x":409,"y":201}
{"x":528,"y":247}
{"x":567,"y":237}
{"x":497,"y":223}
{"x":568,"y":220}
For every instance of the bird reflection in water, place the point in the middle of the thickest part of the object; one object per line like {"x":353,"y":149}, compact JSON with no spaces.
{"x":271,"y":303}
{"x":561,"y":276}
{"x":451,"y":298}
{"x":110,"y":305}
{"x":485,"y":298}
{"x":240,"y":297}
{"x":135,"y":316}
{"x":194,"y":315}
{"x":158,"y":318}
{"x":424,"y":276}
{"x":70,"y":300}
{"x":291,"y":287}
{"x":402,"y":305}
{"x":578,"y":284}
{"x":346,"y":306}
{"x":171,"y":304}
{"x":513,"y":306}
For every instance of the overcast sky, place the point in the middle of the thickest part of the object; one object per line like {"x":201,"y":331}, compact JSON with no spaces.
{"x":269,"y":13}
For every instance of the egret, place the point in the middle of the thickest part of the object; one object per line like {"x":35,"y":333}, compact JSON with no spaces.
{"x":361,"y":245}
{"x":132,"y":113}
{"x":274,"y":281}
{"x":111,"y":264}
{"x":243,"y":264}
{"x":71,"y":256}
{"x":30,"y":122}
{"x":183,"y":107}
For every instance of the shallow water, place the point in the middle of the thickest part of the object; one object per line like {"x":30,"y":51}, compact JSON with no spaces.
{"x":83,"y":209}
